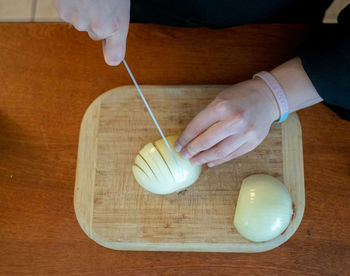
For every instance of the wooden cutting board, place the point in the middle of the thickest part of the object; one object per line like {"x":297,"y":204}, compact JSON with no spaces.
{"x":116,"y":212}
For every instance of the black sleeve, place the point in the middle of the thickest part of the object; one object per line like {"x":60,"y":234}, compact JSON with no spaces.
{"x":326,"y":60}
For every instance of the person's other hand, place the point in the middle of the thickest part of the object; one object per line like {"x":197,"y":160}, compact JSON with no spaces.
{"x":233,"y":124}
{"x":106,"y":20}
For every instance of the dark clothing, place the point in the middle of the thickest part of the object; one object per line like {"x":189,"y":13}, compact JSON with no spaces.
{"x":325,"y":56}
{"x":227,"y":13}
{"x":326,"y":60}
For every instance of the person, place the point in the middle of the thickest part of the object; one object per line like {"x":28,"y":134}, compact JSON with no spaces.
{"x":240,"y":117}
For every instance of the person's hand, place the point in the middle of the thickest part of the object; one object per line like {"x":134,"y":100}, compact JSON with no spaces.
{"x":106,"y":20}
{"x":233,"y":124}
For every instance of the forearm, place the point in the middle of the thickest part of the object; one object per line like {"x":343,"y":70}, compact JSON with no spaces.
{"x":296,"y":84}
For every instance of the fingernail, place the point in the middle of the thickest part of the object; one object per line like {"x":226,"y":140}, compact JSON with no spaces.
{"x":185,"y":155}
{"x":178,"y":147}
{"x":211,"y":165}
{"x":113,"y":62}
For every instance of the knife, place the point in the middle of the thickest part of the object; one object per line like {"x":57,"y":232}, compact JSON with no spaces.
{"x":150,"y":111}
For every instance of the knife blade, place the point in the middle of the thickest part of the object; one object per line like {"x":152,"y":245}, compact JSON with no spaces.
{"x":150,"y":111}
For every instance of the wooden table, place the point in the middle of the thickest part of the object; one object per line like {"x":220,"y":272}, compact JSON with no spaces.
{"x":50,"y":73}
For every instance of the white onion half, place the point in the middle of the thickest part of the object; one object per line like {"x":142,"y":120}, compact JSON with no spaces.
{"x":156,"y":171}
{"x":264,"y":208}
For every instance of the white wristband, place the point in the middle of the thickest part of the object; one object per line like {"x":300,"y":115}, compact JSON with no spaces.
{"x":277,"y":92}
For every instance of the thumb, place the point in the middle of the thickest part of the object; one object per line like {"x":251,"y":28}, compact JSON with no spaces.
{"x":114,"y":47}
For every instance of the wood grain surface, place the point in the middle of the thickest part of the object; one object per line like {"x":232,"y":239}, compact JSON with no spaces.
{"x":116,"y":212}
{"x":50,"y":74}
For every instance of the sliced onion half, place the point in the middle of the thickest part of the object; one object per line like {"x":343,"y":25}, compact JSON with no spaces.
{"x":156,"y":171}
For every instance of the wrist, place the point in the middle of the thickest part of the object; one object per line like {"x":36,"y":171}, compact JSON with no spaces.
{"x":267,"y":98}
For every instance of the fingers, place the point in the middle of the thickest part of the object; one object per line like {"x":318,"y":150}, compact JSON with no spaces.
{"x":102,"y":29}
{"x":210,"y":137}
{"x":107,"y":21}
{"x":79,"y":22}
{"x":220,"y":151}
{"x":114,"y":46}
{"x":243,"y":149}
{"x":239,"y":112}
{"x":114,"y":49}
{"x":93,"y":36}
{"x":199,"y":124}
